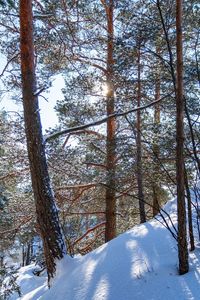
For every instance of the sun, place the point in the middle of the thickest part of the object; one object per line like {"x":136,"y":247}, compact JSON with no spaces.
{"x":105,"y":89}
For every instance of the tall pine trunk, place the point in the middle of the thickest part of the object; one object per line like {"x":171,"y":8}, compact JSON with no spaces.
{"x":156,"y":149}
{"x":110,"y":231}
{"x":139,"y":143}
{"x":182,"y":234}
{"x":46,"y":211}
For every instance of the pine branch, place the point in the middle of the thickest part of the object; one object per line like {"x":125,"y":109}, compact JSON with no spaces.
{"x":103,"y":120}
{"x":88,"y":231}
{"x":87,"y":62}
{"x":8,"y":63}
{"x":78,"y":186}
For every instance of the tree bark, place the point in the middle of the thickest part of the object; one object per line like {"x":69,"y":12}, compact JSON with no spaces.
{"x":28,"y":254}
{"x":139,"y":143}
{"x":192,"y":135}
{"x":46,"y":211}
{"x":110,"y":231}
{"x":182,"y":234}
{"x":189,"y":215}
{"x":23,"y":255}
{"x":156,"y":149}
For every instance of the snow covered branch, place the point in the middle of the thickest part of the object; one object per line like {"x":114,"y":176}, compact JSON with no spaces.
{"x":103,"y":120}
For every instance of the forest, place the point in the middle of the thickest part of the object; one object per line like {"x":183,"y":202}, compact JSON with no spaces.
{"x":125,"y":146}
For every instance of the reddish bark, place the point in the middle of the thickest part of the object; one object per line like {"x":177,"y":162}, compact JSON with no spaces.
{"x":46,"y":211}
{"x":110,"y":231}
{"x":139,"y":144}
{"x":182,"y":234}
{"x":156,"y":150}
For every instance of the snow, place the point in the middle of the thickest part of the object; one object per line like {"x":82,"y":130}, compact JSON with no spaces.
{"x":31,"y":286}
{"x":140,"y":264}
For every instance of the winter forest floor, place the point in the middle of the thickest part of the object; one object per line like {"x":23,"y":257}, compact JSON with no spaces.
{"x":140,"y":264}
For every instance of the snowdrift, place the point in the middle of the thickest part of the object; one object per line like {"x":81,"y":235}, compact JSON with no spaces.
{"x":140,"y":264}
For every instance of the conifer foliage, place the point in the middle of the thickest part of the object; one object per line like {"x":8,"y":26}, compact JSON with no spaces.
{"x":123,"y":144}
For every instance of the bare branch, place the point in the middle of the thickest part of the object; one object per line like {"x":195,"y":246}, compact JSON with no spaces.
{"x":88,"y":231}
{"x":84,"y":61}
{"x":82,"y":132}
{"x":79,"y":186}
{"x":8,"y":63}
{"x":92,"y":164}
{"x":16,"y":229}
{"x":14,"y":174}
{"x":88,"y":247}
{"x":85,"y":213}
{"x":171,"y":59}
{"x":38,"y":92}
{"x":98,"y":149}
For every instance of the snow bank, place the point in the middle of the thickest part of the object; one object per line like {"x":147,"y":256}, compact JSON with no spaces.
{"x":140,"y":264}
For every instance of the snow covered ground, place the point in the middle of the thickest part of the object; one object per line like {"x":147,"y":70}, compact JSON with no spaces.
{"x":140,"y":264}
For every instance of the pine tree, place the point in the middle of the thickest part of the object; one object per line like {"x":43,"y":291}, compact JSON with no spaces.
{"x":46,"y":210}
{"x":182,"y":234}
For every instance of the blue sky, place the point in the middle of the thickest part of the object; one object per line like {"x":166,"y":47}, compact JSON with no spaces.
{"x":48,"y":115}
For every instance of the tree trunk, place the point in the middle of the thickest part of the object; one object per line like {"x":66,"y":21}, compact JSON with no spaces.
{"x":139,"y":144}
{"x":1,"y":261}
{"x":156,"y":150}
{"x":46,"y":211}
{"x":28,"y":254}
{"x":110,"y":231}
{"x":23,"y":255}
{"x":189,"y":206}
{"x":182,"y":234}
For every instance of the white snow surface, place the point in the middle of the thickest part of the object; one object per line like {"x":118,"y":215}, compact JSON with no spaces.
{"x":141,"y":264}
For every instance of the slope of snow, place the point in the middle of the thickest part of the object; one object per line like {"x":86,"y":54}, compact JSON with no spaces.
{"x":140,"y":264}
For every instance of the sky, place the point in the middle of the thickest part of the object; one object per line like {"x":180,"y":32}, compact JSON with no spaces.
{"x":47,"y":112}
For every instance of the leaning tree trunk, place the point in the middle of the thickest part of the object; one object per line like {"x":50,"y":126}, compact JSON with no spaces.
{"x":182,"y":234}
{"x":46,"y":211}
{"x":139,"y":143}
{"x":110,"y":231}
